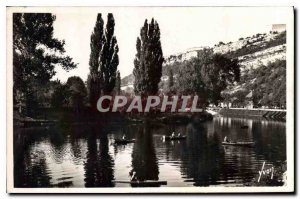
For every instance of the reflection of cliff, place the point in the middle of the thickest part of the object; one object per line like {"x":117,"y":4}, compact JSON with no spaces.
{"x":204,"y":161}
{"x":144,"y":161}
{"x":98,"y":166}
{"x":231,"y":127}
{"x":199,"y":155}
{"x":203,"y":158}
{"x":271,"y":140}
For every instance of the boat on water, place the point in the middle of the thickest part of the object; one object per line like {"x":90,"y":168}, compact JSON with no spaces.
{"x":142,"y":183}
{"x":244,"y":127}
{"x":122,"y":141}
{"x":249,"y":144}
{"x":182,"y":137}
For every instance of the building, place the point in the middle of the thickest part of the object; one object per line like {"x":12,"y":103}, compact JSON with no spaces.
{"x":278,"y":27}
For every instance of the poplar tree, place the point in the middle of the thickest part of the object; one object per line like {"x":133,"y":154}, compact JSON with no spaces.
{"x":109,"y":59}
{"x":148,"y":60}
{"x":118,"y":83}
{"x":94,"y":78}
{"x":104,"y":59}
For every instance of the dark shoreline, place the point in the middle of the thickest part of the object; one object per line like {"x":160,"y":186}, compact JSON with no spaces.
{"x":69,"y":117}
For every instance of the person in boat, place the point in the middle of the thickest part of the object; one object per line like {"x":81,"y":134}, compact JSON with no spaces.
{"x":173,"y":134}
{"x":226,"y":139}
{"x":124,"y":137}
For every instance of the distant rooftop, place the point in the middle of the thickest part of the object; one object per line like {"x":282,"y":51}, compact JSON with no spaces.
{"x":278,"y":27}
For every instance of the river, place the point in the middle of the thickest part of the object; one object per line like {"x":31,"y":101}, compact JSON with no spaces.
{"x":86,"y":156}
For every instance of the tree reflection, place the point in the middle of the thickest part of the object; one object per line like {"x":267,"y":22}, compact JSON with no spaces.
{"x":202,"y":163}
{"x":99,"y":164}
{"x":144,"y":161}
{"x":29,"y":171}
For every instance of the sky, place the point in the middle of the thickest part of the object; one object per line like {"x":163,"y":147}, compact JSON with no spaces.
{"x":181,"y":28}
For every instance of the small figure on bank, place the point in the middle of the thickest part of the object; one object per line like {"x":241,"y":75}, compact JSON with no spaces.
{"x":124,"y":137}
{"x":179,"y":134}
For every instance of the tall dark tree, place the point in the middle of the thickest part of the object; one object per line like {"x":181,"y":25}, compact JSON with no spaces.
{"x":94,"y":77}
{"x":104,"y":59}
{"x":218,"y":73}
{"x":207,"y":75}
{"x":109,"y":59}
{"x":185,"y":83}
{"x":170,"y":82}
{"x":148,"y":60}
{"x":33,"y":60}
{"x":118,"y":83}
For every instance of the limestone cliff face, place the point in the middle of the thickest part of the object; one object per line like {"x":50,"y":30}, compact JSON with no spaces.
{"x":256,"y":59}
{"x":252,"y":52}
{"x":260,"y":49}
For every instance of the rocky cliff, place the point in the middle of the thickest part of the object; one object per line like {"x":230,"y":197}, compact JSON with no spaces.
{"x":252,"y":52}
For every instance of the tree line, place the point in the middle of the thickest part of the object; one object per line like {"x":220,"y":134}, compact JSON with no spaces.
{"x":267,"y":83}
{"x":36,"y":53}
{"x":206,"y":76}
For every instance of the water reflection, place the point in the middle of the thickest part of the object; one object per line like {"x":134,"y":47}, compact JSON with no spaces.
{"x":99,"y":164}
{"x":144,"y":161}
{"x":86,"y":156}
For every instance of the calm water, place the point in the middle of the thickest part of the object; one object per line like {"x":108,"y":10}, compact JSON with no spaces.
{"x":85,"y":156}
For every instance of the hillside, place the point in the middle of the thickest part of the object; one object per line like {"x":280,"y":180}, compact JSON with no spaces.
{"x":252,"y":52}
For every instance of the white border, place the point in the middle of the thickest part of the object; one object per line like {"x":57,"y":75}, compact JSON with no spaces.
{"x":289,"y":130}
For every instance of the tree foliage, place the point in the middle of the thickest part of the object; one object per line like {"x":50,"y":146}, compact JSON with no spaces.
{"x":218,"y":73}
{"x":77,"y":92}
{"x":267,"y":84}
{"x":94,"y":77}
{"x":118,"y":83}
{"x":104,"y":59}
{"x":109,"y":59}
{"x":170,"y":82}
{"x":207,"y":75}
{"x":35,"y":54}
{"x":269,"y":87}
{"x":59,"y":97}
{"x":148,"y":60}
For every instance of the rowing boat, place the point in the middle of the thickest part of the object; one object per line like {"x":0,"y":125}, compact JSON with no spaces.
{"x":238,"y":143}
{"x":121,"y":141}
{"x":174,"y":137}
{"x":143,"y":183}
{"x":244,"y":127}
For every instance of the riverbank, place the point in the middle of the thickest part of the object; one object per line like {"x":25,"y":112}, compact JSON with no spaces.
{"x":275,"y":114}
{"x":49,"y":117}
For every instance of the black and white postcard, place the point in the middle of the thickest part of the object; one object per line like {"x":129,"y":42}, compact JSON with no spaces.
{"x":150,"y":99}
